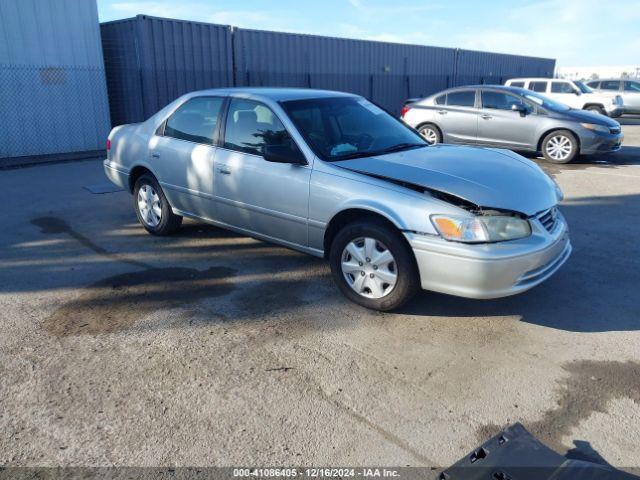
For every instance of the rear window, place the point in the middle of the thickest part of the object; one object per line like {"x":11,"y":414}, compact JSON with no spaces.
{"x":517,"y":84}
{"x":538,"y":86}
{"x":466,"y":98}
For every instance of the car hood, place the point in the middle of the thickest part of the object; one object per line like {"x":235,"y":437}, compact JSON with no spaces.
{"x":486,"y":177}
{"x":589,"y":117}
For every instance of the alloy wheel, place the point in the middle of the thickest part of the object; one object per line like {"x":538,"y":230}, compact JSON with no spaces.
{"x":369,"y":268}
{"x":429,"y":134}
{"x":559,"y":147}
{"x":149,"y":205}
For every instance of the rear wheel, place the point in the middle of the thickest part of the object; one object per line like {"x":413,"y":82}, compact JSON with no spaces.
{"x":152,"y":208}
{"x":560,"y":146}
{"x":596,"y":109}
{"x":431,"y":133}
{"x":373,"y":266}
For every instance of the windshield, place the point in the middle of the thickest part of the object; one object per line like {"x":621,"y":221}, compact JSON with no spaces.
{"x":583,"y":88}
{"x":339,"y":128}
{"x":546,"y":102}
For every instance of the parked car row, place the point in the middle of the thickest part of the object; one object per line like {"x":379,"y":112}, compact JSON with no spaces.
{"x":518,"y":118}
{"x":333,"y":175}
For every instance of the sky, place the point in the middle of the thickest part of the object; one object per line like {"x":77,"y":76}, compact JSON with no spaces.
{"x":575,"y":32}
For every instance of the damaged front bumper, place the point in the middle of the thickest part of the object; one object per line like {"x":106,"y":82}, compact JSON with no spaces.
{"x":492,"y":270}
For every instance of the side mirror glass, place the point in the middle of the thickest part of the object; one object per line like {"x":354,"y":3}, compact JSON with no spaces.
{"x":520,"y":107}
{"x":284,"y":153}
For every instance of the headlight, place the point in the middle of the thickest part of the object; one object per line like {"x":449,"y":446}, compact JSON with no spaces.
{"x":595,"y":128}
{"x":489,"y":228}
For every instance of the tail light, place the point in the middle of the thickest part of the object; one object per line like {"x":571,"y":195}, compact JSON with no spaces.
{"x":108,"y":145}
{"x":404,"y":110}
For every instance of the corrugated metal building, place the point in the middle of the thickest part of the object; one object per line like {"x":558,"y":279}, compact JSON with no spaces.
{"x":53,"y":97}
{"x":151,"y":61}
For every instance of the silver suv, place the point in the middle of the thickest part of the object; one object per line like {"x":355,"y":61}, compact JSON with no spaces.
{"x":514,"y":118}
{"x":333,"y":175}
{"x":627,"y":88}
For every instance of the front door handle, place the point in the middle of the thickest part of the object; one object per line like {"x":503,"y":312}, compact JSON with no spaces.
{"x":155,"y":155}
{"x":486,"y":116}
{"x":442,"y":112}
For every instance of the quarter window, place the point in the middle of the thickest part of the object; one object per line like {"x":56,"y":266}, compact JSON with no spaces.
{"x":466,"y":98}
{"x":251,"y":125}
{"x":441,"y":100}
{"x":610,"y":85}
{"x":631,"y":86}
{"x":562,"y":87}
{"x":499,"y":100}
{"x":195,"y":120}
{"x":538,"y":86}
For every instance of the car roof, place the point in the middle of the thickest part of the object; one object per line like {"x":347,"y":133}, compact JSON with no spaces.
{"x":275,"y":94}
{"x":490,"y":86}
{"x":538,"y":79}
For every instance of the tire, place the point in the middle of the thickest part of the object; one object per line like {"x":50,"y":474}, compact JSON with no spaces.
{"x":147,"y":193}
{"x":431,"y":133}
{"x":381,"y":295}
{"x":596,"y":109}
{"x":560,"y":146}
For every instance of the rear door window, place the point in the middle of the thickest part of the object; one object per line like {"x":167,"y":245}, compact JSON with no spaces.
{"x":465,"y":98}
{"x":517,"y":84}
{"x":610,"y":85}
{"x":593,"y":84}
{"x":195,"y":120}
{"x":538,"y":86}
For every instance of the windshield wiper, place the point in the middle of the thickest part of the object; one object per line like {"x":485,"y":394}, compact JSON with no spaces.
{"x":402,"y":146}
{"x":371,"y":153}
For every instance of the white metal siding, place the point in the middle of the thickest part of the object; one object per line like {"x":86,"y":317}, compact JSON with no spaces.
{"x":53,"y":95}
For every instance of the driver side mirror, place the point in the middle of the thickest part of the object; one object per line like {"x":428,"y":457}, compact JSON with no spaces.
{"x":520,"y":107}
{"x":577,"y":92}
{"x":284,"y":153}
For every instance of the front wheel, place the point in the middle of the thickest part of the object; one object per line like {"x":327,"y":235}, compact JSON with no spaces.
{"x":373,"y":265}
{"x":152,"y":207}
{"x":560,"y":146}
{"x":596,"y":109}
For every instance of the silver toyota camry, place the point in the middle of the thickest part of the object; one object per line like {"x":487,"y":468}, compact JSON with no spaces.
{"x":333,"y":175}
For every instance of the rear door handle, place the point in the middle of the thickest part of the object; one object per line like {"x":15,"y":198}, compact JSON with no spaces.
{"x":442,"y":112}
{"x":224,"y":170}
{"x":155,"y":155}
{"x":487,"y":116}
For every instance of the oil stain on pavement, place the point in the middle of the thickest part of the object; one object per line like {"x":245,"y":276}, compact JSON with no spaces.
{"x":117,"y":302}
{"x":588,"y":389}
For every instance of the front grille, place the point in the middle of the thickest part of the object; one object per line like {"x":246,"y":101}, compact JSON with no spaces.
{"x":549,"y":219}
{"x":614,"y":130}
